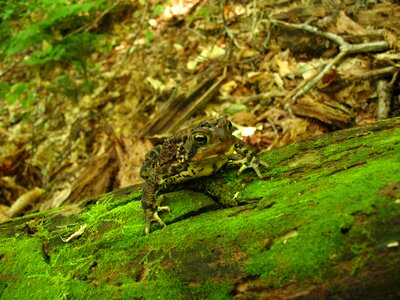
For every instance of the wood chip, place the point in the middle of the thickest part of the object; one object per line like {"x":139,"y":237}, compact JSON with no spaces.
{"x":328,"y":111}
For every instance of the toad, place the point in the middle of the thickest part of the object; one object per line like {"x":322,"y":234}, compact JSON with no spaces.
{"x":189,"y":154}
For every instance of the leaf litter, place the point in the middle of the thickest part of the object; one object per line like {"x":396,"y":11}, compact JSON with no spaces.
{"x":282,"y":71}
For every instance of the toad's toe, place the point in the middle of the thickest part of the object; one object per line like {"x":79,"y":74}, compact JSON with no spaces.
{"x":153,"y":216}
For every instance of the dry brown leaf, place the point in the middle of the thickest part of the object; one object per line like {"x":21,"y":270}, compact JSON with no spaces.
{"x":274,"y":114}
{"x":244,"y":118}
{"x":347,"y":26}
{"x":295,"y":130}
{"x":131,"y":152}
{"x":393,"y":38}
{"x":228,"y":87}
{"x":353,"y":66}
{"x":284,"y":70}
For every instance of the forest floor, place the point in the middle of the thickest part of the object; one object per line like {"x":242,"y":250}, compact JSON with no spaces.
{"x":282,"y":71}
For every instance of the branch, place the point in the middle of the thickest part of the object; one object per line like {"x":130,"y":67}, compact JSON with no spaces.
{"x":345,"y":49}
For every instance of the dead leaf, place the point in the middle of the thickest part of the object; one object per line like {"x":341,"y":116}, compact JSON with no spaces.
{"x":346,"y":25}
{"x":295,"y":130}
{"x":244,"y":118}
{"x":228,"y":87}
{"x":131,"y":152}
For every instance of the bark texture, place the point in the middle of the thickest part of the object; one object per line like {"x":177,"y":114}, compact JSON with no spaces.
{"x":325,"y":223}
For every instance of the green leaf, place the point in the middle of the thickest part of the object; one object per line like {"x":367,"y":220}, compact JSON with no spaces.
{"x":57,"y":12}
{"x":50,"y":54}
{"x":4,"y":89}
{"x":236,"y":108}
{"x":27,"y":101}
{"x":15,"y":93}
{"x":157,"y":10}
{"x":148,"y":37}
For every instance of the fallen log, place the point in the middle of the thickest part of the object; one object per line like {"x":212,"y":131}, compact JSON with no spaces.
{"x":324,"y":223}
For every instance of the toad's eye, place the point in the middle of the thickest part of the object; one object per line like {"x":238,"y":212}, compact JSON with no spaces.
{"x":200,"y":139}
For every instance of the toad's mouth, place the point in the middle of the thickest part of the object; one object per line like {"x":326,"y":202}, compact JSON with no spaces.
{"x":214,"y":152}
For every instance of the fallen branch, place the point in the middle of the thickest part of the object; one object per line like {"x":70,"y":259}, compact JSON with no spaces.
{"x":227,"y":29}
{"x":345,"y":49}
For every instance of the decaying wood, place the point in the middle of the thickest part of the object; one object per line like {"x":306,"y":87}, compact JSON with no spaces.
{"x":175,"y":111}
{"x":384,"y":97}
{"x":197,"y":103}
{"x":326,"y":110}
{"x":25,"y":200}
{"x":324,"y":223}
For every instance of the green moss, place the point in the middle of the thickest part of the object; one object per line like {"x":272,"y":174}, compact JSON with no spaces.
{"x":313,"y":210}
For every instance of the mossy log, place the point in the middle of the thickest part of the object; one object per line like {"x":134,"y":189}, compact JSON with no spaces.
{"x":325,"y":223}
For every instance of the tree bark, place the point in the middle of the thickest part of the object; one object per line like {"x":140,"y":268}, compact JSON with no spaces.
{"x":324,"y":223}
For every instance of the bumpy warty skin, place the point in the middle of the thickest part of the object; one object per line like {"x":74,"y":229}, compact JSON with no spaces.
{"x":189,"y":154}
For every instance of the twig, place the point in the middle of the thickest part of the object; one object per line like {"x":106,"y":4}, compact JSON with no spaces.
{"x":311,"y":82}
{"x":227,"y":29}
{"x":273,"y":125}
{"x":253,"y":98}
{"x":373,"y":73}
{"x":384,"y":95}
{"x":345,"y":49}
{"x":254,"y":21}
{"x":365,"y":47}
{"x":196,"y":32}
{"x":76,"y":234}
{"x":328,"y":35}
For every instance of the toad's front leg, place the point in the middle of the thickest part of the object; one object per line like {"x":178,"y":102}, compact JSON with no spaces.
{"x":250,"y":160}
{"x":150,"y":205}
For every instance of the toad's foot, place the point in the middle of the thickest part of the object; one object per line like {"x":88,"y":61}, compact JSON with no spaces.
{"x":253,"y":164}
{"x":153,"y":216}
